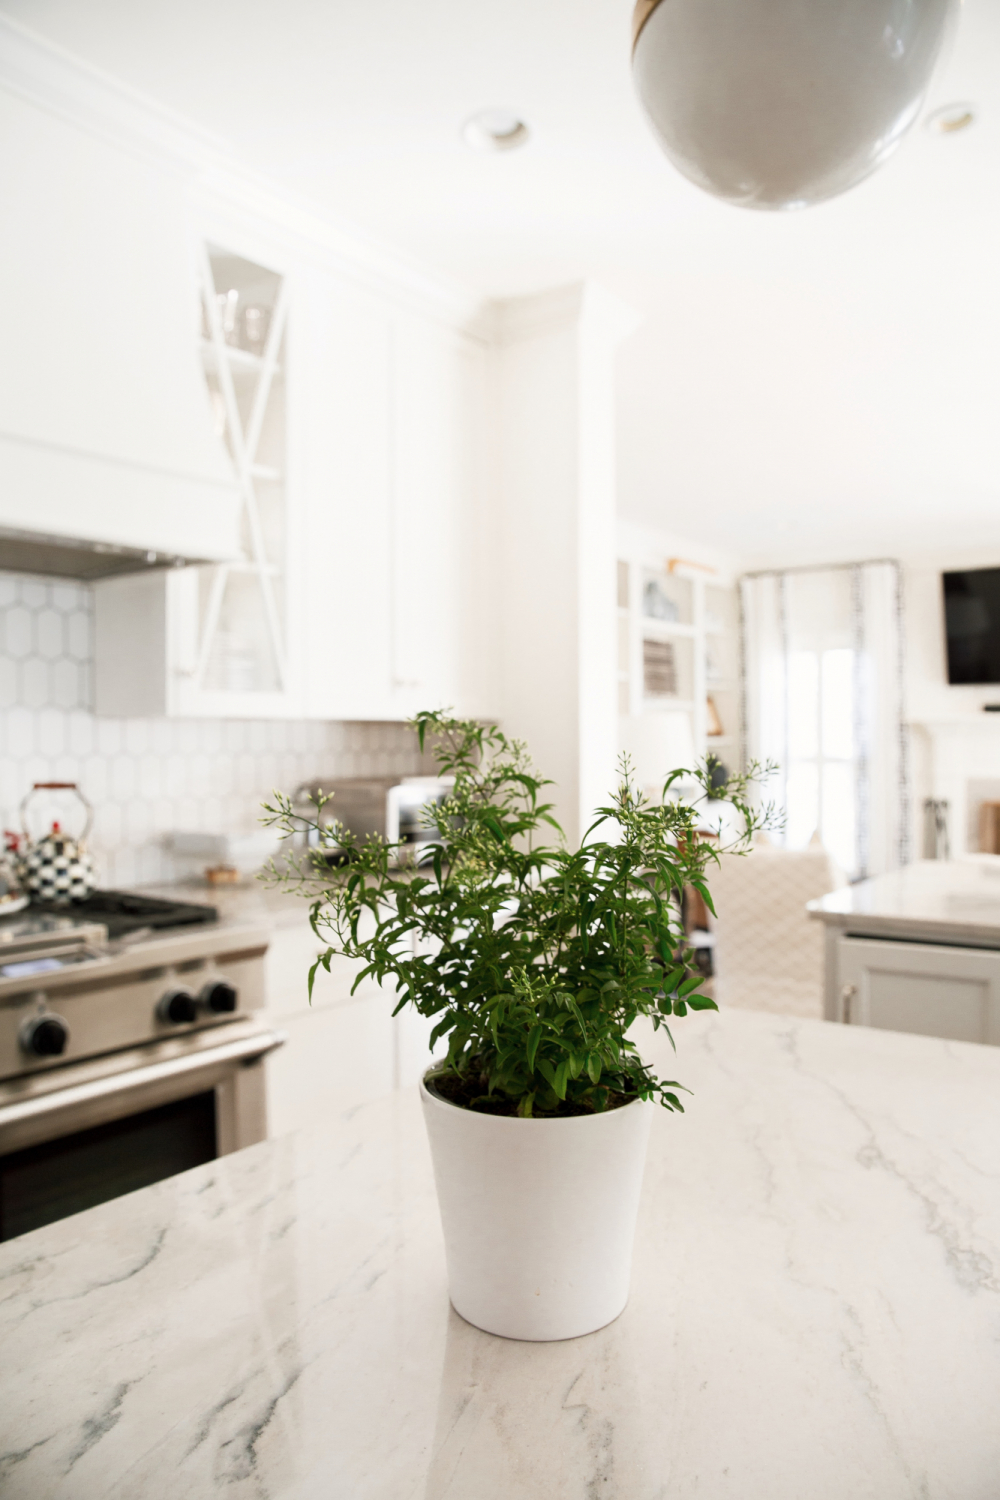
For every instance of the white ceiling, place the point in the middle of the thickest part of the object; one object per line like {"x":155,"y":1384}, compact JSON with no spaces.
{"x":809,"y":386}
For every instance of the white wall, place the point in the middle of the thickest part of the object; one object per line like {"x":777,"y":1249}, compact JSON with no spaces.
{"x":955,"y":745}
{"x":556,"y":538}
{"x":653,"y":544}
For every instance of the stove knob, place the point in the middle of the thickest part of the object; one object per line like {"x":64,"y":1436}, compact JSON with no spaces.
{"x":218,"y":997}
{"x":45,"y":1036}
{"x":177,"y":1008}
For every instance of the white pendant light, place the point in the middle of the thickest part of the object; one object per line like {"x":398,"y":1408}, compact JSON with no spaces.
{"x":782,"y":103}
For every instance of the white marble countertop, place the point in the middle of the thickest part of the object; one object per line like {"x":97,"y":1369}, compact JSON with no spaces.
{"x":956,"y":901}
{"x":249,"y":900}
{"x":815,"y":1312}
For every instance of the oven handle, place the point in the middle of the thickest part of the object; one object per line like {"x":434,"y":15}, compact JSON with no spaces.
{"x":246,"y":1049}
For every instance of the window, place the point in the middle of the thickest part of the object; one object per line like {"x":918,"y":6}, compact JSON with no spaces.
{"x":822,"y":691}
{"x":819,"y":797}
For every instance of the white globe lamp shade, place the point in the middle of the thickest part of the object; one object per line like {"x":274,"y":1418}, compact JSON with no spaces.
{"x":783,"y":103}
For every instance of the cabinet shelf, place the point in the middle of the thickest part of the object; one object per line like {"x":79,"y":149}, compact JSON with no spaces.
{"x":669,"y":627}
{"x":246,"y":565}
{"x":696,"y":654}
{"x":240,"y":361}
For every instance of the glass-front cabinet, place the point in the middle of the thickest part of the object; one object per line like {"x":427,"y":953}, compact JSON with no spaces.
{"x":239,"y":614}
{"x":214,"y":639}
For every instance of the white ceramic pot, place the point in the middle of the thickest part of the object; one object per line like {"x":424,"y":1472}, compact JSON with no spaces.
{"x":538,"y":1215}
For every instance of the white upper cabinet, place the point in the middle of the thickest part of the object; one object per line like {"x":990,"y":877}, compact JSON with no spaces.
{"x":441,"y":574}
{"x":341,"y":417}
{"x":193,"y":365}
{"x":395,"y":518}
{"x":238,"y":610}
{"x":106,"y":431}
{"x":218,"y":640}
{"x":355,"y":430}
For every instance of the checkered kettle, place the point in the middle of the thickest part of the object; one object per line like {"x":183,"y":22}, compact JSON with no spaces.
{"x":56,"y":866}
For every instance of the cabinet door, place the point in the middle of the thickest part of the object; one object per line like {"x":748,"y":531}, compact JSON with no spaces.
{"x":395,"y":557}
{"x":341,"y":409}
{"x":217,"y":641}
{"x":920,"y":987}
{"x":441,"y":572}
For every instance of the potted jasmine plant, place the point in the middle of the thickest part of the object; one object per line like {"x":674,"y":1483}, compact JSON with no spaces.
{"x":534,"y":961}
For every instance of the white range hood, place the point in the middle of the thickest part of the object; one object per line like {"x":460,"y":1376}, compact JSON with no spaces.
{"x":106,"y":432}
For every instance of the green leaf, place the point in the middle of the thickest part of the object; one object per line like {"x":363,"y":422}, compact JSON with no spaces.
{"x":705,"y":894}
{"x":593,"y":1067}
{"x":547,"y":1071}
{"x":701,"y":1002}
{"x":442,"y":1029}
{"x":534,"y":1037}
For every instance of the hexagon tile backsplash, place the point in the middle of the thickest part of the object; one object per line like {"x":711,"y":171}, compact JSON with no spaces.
{"x":149,"y":777}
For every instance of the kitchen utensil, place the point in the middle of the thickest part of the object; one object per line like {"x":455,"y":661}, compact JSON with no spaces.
{"x":55,"y":866}
{"x":388,"y":806}
{"x":12,"y":893}
{"x":228,"y":305}
{"x":256,"y":322}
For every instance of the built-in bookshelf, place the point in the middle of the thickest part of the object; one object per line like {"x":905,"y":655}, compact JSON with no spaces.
{"x":678,"y":652}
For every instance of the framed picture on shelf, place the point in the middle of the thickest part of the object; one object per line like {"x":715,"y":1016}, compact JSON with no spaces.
{"x":659,"y":669}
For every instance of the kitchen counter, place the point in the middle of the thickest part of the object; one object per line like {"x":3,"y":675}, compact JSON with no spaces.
{"x":951,"y":901}
{"x":815,"y":1312}
{"x":249,"y":900}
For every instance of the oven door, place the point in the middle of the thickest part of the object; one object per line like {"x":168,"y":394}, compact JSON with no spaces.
{"x":92,"y":1131}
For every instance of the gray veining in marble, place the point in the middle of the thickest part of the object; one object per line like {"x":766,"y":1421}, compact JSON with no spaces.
{"x":815,"y":1311}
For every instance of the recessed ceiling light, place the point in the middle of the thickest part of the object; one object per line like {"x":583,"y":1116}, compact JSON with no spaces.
{"x":951,"y":118}
{"x":495,"y":130}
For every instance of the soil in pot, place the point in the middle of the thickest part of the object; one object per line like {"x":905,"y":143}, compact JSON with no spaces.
{"x":471,"y":1093}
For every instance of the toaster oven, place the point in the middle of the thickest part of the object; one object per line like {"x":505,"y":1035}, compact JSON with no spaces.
{"x":395,"y":809}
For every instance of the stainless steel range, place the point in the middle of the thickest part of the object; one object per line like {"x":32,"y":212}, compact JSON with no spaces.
{"x":130,"y":1048}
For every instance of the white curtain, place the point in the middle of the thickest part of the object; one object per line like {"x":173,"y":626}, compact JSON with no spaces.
{"x":823,"y":698}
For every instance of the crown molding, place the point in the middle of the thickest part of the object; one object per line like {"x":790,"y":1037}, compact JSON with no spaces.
{"x":64,"y":85}
{"x":584,"y":304}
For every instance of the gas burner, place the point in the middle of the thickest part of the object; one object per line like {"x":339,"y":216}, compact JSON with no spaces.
{"x":122,"y":912}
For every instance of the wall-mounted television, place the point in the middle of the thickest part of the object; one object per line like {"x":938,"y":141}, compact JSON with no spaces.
{"x":972,"y":625}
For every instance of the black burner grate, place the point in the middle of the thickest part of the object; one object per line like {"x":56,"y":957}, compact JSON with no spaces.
{"x":123,"y":911}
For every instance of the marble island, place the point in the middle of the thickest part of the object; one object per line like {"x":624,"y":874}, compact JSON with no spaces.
{"x":815,"y":1312}
{"x":931,"y":900}
{"x":917,"y":949}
